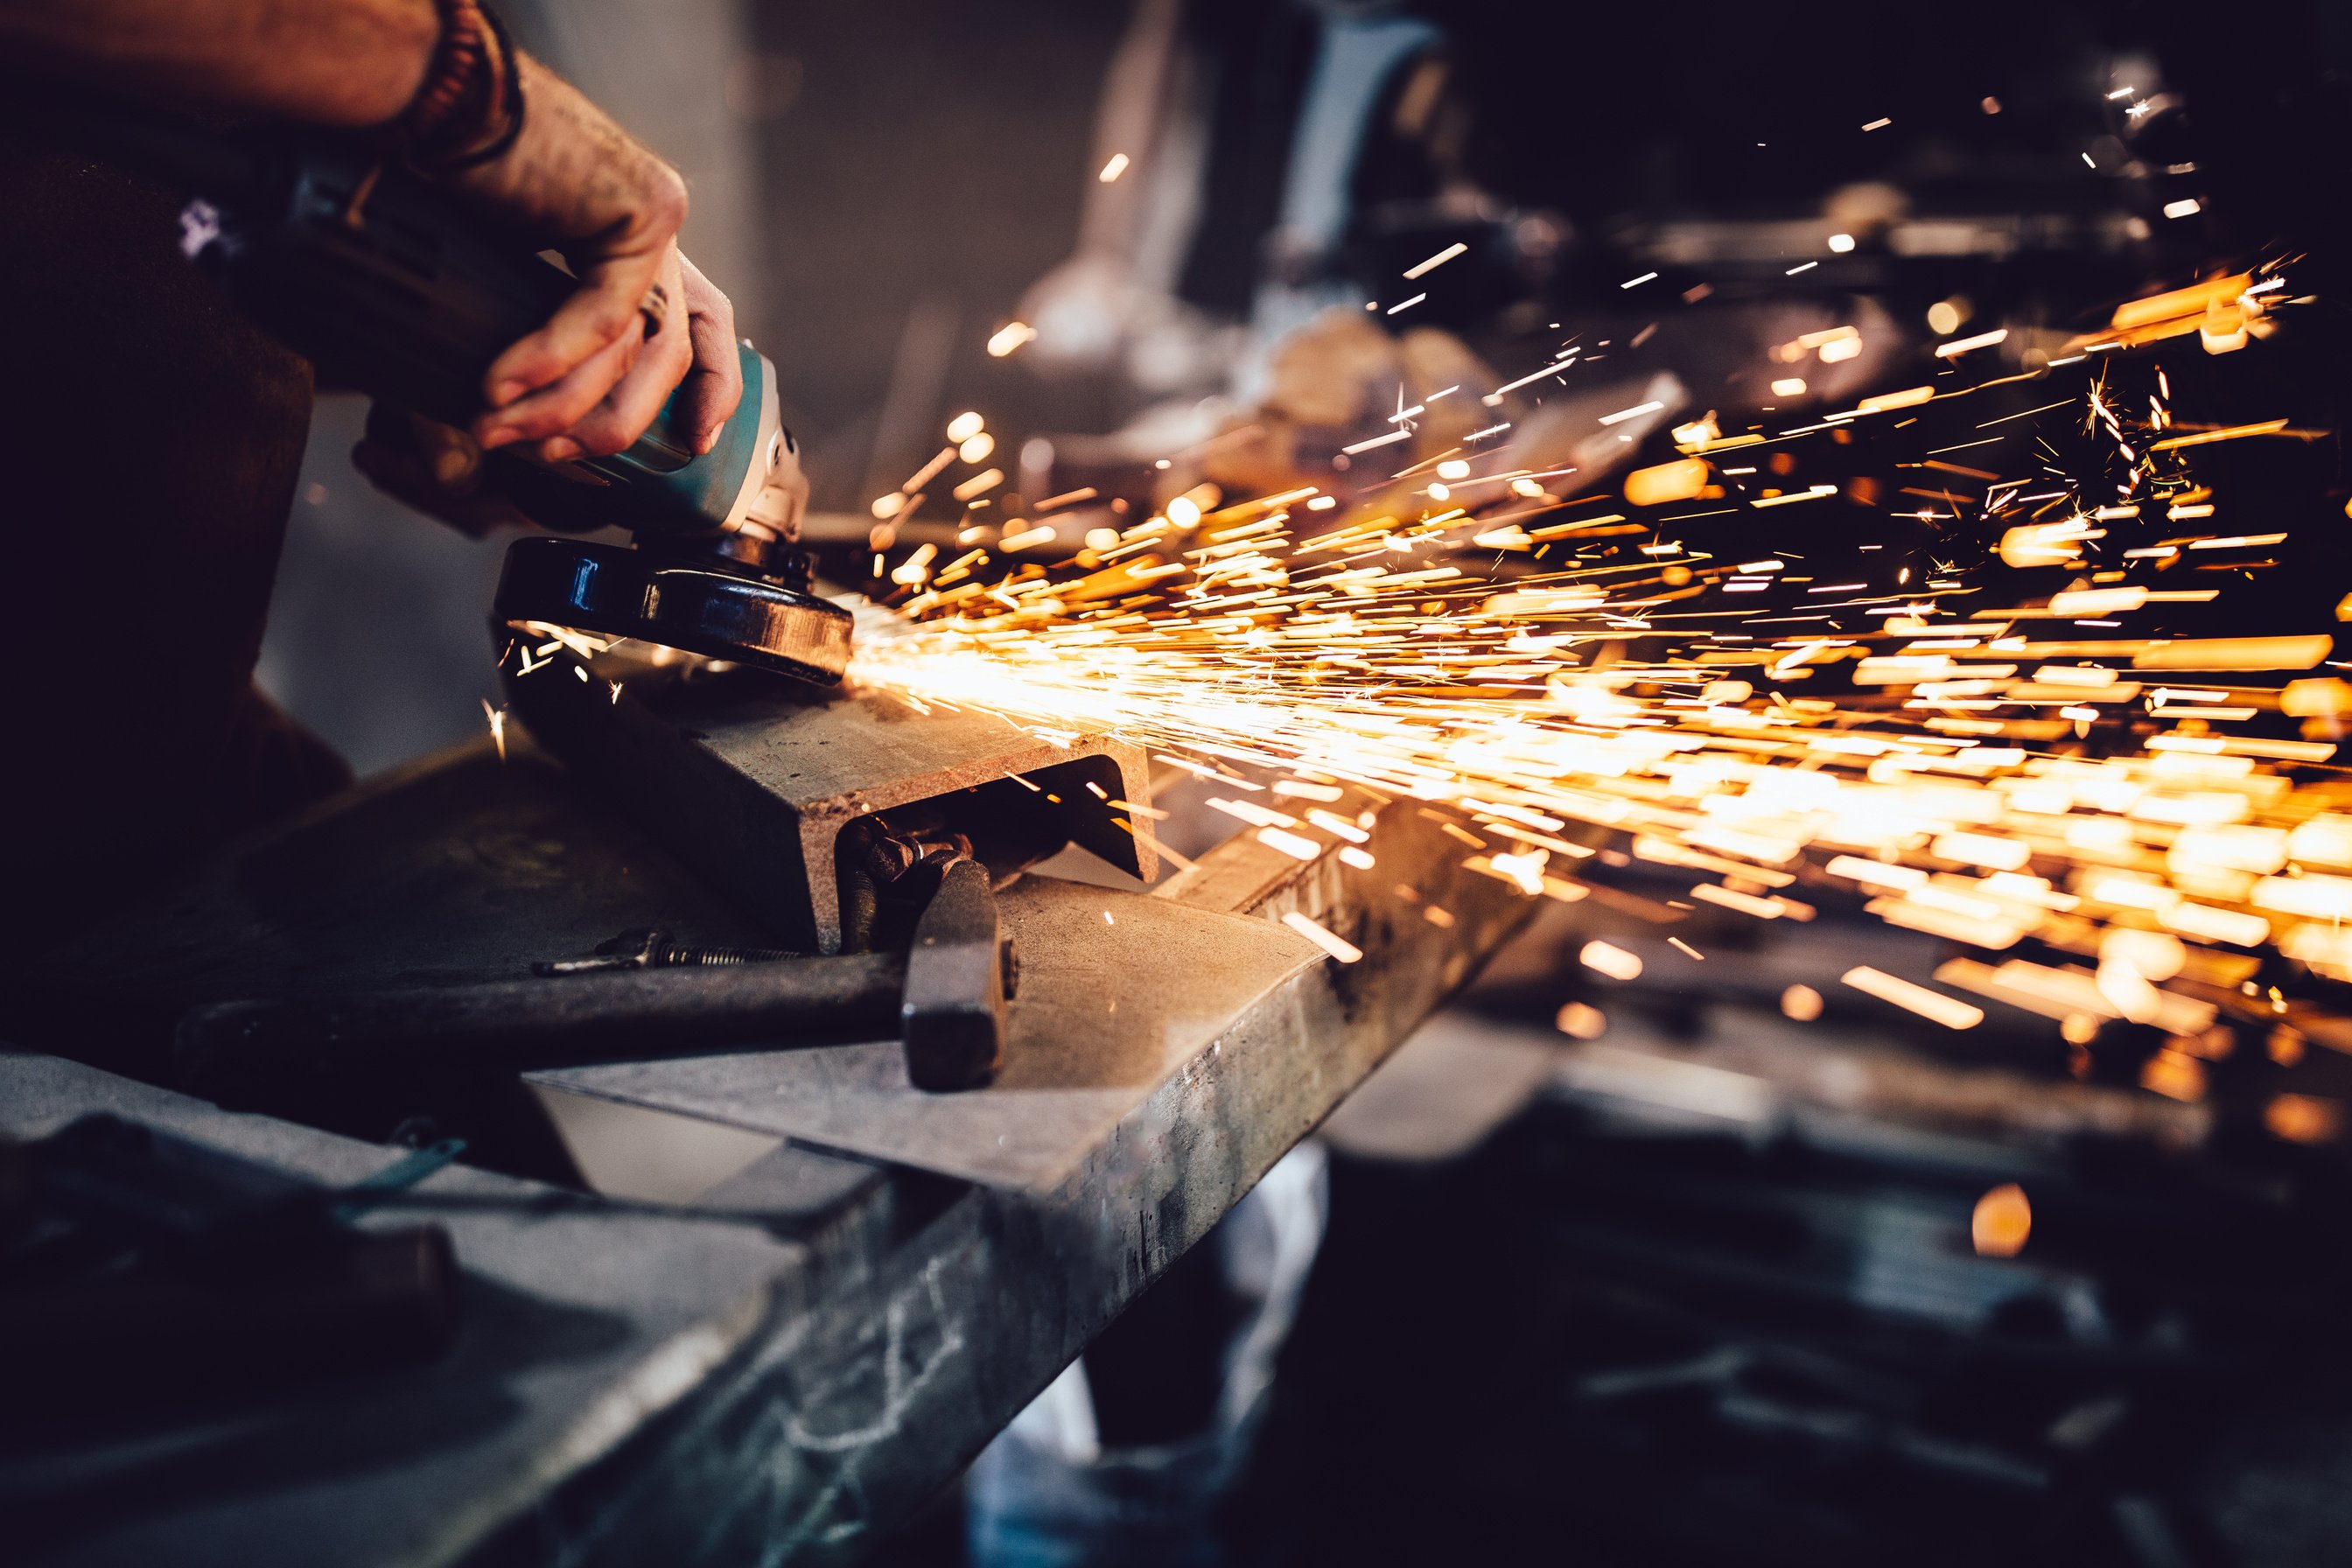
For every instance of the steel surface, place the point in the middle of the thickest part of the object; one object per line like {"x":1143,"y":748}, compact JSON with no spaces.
{"x":1105,"y":1012}
{"x":750,"y":781}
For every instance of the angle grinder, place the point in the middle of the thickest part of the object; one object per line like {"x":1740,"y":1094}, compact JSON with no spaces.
{"x":387,"y":283}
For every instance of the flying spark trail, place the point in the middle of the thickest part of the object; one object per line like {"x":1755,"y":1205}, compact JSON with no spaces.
{"x":1980,"y":718}
{"x":1985,"y":761}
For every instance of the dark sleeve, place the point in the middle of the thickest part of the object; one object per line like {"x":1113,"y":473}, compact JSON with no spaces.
{"x":155,"y":438}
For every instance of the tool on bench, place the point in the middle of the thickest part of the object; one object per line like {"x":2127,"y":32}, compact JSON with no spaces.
{"x":940,"y":978}
{"x":644,"y":949}
{"x":143,"y":1264}
{"x":931,"y":893}
{"x":389,"y":284}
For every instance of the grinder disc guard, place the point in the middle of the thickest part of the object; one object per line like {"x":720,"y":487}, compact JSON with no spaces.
{"x":701,"y":604}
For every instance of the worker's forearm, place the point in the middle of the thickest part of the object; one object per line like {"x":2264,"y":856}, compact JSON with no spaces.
{"x":326,"y":62}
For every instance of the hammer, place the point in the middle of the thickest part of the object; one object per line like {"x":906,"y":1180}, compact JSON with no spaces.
{"x":945,"y":994}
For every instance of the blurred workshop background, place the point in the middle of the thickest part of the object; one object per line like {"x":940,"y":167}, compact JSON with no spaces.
{"x":1661,"y":1266}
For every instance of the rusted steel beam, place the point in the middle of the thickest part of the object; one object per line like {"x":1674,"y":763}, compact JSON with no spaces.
{"x":751,"y":782}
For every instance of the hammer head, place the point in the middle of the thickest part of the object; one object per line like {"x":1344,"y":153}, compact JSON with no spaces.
{"x":958,"y":983}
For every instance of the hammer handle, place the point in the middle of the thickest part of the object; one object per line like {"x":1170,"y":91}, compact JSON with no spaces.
{"x":516,"y":1024}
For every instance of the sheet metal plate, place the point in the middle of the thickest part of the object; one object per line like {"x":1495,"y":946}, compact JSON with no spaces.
{"x":1105,"y":1012}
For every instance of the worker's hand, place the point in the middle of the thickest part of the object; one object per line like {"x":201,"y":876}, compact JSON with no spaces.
{"x":439,"y":469}
{"x":433,"y":467}
{"x":693,"y":354}
{"x":576,"y":182}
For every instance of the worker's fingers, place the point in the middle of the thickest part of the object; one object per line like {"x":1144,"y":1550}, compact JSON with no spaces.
{"x":420,"y":456}
{"x":616,"y":275}
{"x":607,"y":308}
{"x":574,"y":180}
{"x":585,"y":325}
{"x":546,"y":417}
{"x":713,"y":388}
{"x":452,"y":457}
{"x":638,"y":396}
{"x":434,"y":469}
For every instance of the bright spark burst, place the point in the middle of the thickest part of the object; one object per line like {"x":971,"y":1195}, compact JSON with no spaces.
{"x":1614,"y":709}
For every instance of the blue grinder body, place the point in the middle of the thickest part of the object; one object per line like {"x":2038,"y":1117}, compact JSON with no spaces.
{"x":658,"y":486}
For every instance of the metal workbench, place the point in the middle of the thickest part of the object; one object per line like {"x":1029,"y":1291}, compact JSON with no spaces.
{"x":801,"y":1355}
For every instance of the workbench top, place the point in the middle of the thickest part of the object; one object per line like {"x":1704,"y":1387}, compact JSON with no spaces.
{"x":799,"y":1355}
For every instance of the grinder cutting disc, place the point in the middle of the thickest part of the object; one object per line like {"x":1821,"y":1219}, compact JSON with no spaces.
{"x":699,"y":605}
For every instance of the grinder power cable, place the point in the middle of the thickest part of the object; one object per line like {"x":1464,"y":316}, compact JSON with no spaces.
{"x":389,"y":284}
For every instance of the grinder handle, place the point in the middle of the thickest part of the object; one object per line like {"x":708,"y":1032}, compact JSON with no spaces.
{"x":652,"y":493}
{"x":389,"y":284}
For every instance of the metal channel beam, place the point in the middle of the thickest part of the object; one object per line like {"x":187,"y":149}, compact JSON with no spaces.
{"x":750,"y":782}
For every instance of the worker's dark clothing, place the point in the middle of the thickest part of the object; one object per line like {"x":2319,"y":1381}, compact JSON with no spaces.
{"x":157,"y":436}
